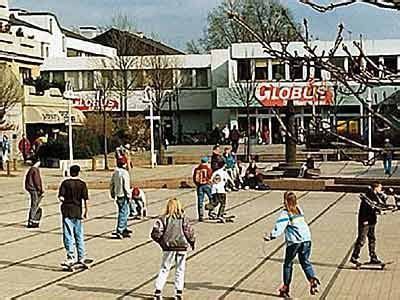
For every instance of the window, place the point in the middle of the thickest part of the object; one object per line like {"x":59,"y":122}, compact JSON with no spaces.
{"x":106,"y":80}
{"x":73,"y":79}
{"x":201,"y":77}
{"x":278,"y":70}
{"x":355,"y":65}
{"x":58,"y":77}
{"x":45,"y":76}
{"x":73,"y":53}
{"x":25,"y":74}
{"x":317,"y":72}
{"x":244,"y":69}
{"x":261,"y":69}
{"x":296,"y":70}
{"x":186,"y":78}
{"x":373,"y":65}
{"x":161,"y":78}
{"x":135,"y":79}
{"x":390,"y":63}
{"x":338,"y":62}
{"x":87,"y":80}
{"x":63,"y":44}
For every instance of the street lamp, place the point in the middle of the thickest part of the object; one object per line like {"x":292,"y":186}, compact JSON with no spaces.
{"x":369,"y":100}
{"x":69,"y":95}
{"x":149,"y":95}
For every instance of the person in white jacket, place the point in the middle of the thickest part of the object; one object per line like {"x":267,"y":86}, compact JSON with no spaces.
{"x":120,"y":192}
{"x":218,"y":179}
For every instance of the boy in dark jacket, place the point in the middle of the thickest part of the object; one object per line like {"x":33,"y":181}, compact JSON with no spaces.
{"x":367,"y":220}
{"x":34,"y":186}
{"x":174,"y":234}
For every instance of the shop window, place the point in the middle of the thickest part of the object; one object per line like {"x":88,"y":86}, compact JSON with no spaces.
{"x":45,"y":76}
{"x":87,"y":80}
{"x":373,"y":65}
{"x":390,"y":63}
{"x":278,"y":70}
{"x":261,"y":69}
{"x":73,"y":79}
{"x":201,"y":77}
{"x":244,"y":69}
{"x":186,"y":78}
{"x":296,"y":70}
{"x":58,"y":77}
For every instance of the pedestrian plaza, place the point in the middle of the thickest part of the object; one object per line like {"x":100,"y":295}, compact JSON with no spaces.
{"x":230,"y":261}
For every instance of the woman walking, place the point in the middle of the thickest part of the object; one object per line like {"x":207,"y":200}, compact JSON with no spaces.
{"x":298,"y":242}
{"x":174,"y":234}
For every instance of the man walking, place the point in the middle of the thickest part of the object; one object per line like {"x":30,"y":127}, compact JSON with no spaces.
{"x":34,"y":186}
{"x":120,"y":191}
{"x":73,"y":191}
{"x":387,"y":157}
{"x":235,"y":137}
{"x":202,"y":178}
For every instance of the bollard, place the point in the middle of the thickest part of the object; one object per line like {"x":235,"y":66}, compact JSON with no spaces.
{"x":94,"y":164}
{"x":8,"y":168}
{"x":14,"y":164}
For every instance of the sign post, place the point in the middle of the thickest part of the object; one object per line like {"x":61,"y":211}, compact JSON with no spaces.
{"x":68,"y":95}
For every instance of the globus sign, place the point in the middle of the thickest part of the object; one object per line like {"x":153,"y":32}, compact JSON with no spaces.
{"x":272,"y":94}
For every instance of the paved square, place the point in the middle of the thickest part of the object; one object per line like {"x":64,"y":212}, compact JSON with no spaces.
{"x":230,"y":261}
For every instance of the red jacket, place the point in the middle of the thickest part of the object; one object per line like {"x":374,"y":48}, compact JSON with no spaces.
{"x":202,"y":174}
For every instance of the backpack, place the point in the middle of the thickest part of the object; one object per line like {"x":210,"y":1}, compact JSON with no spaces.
{"x":173,"y":236}
{"x":201,"y":176}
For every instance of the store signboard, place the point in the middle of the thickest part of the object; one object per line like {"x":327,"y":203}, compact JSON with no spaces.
{"x":278,"y":94}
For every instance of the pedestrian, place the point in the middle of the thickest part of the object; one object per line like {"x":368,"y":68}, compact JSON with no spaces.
{"x":173,"y":232}
{"x":217,"y":161}
{"x":138,"y":200}
{"x":24,"y":147}
{"x":226,"y":134}
{"x":230,"y":165}
{"x":5,"y":149}
{"x":73,"y":193}
{"x":120,"y":191}
{"x":34,"y":186}
{"x":292,"y":223}
{"x":367,"y":219}
{"x":216,"y":135}
{"x":219,"y":179}
{"x":387,"y":157}
{"x":253,"y":178}
{"x":202,"y":179}
{"x":235,"y":137}
{"x":308,"y":165}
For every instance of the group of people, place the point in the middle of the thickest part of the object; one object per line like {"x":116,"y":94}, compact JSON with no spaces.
{"x":173,"y":231}
{"x":226,"y":136}
{"x":225,"y":174}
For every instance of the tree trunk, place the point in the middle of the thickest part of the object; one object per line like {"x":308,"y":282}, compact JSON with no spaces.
{"x":248,"y":154}
{"x":290,"y":147}
{"x":105,"y":140}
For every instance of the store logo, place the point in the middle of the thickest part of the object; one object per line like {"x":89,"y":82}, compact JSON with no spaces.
{"x":269,"y":94}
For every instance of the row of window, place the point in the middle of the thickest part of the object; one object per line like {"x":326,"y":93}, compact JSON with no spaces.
{"x":272,"y":69}
{"x":132,"y":79}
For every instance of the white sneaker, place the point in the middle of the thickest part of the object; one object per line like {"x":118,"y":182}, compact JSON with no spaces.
{"x":68,"y":262}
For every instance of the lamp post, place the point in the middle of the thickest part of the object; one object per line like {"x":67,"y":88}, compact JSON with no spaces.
{"x":68,"y":95}
{"x":148,"y":98}
{"x":369,"y":100}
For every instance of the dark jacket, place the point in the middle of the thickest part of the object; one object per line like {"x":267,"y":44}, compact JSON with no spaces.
{"x":387,"y":152}
{"x":173,"y":234}
{"x":33,"y":181}
{"x":367,"y":213}
{"x":217,"y":161}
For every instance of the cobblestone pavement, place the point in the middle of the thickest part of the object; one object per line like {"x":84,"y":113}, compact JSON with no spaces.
{"x":230,"y":260}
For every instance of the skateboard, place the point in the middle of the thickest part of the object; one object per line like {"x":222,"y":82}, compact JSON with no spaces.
{"x":78,"y":266}
{"x":226,"y":219}
{"x":368,"y":265}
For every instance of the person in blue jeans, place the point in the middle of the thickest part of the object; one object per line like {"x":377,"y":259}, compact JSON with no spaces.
{"x":73,"y":193}
{"x":120,"y":190}
{"x":298,"y":243}
{"x":387,"y":157}
{"x":202,"y":178}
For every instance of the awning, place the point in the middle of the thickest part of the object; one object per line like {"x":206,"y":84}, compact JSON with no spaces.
{"x":52,"y":115}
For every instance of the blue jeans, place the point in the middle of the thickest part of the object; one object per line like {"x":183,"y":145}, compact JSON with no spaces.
{"x":73,"y":235}
{"x":303,"y":250}
{"x":202,"y":190}
{"x":387,"y":165}
{"x":123,"y":211}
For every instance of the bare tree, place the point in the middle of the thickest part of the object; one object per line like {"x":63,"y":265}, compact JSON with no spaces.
{"x":390,"y":4}
{"x":243,"y":94}
{"x":361,"y":75}
{"x":11,"y":92}
{"x":159,"y":74}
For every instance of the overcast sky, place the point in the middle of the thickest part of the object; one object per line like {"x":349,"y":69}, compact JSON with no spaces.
{"x":177,"y":21}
